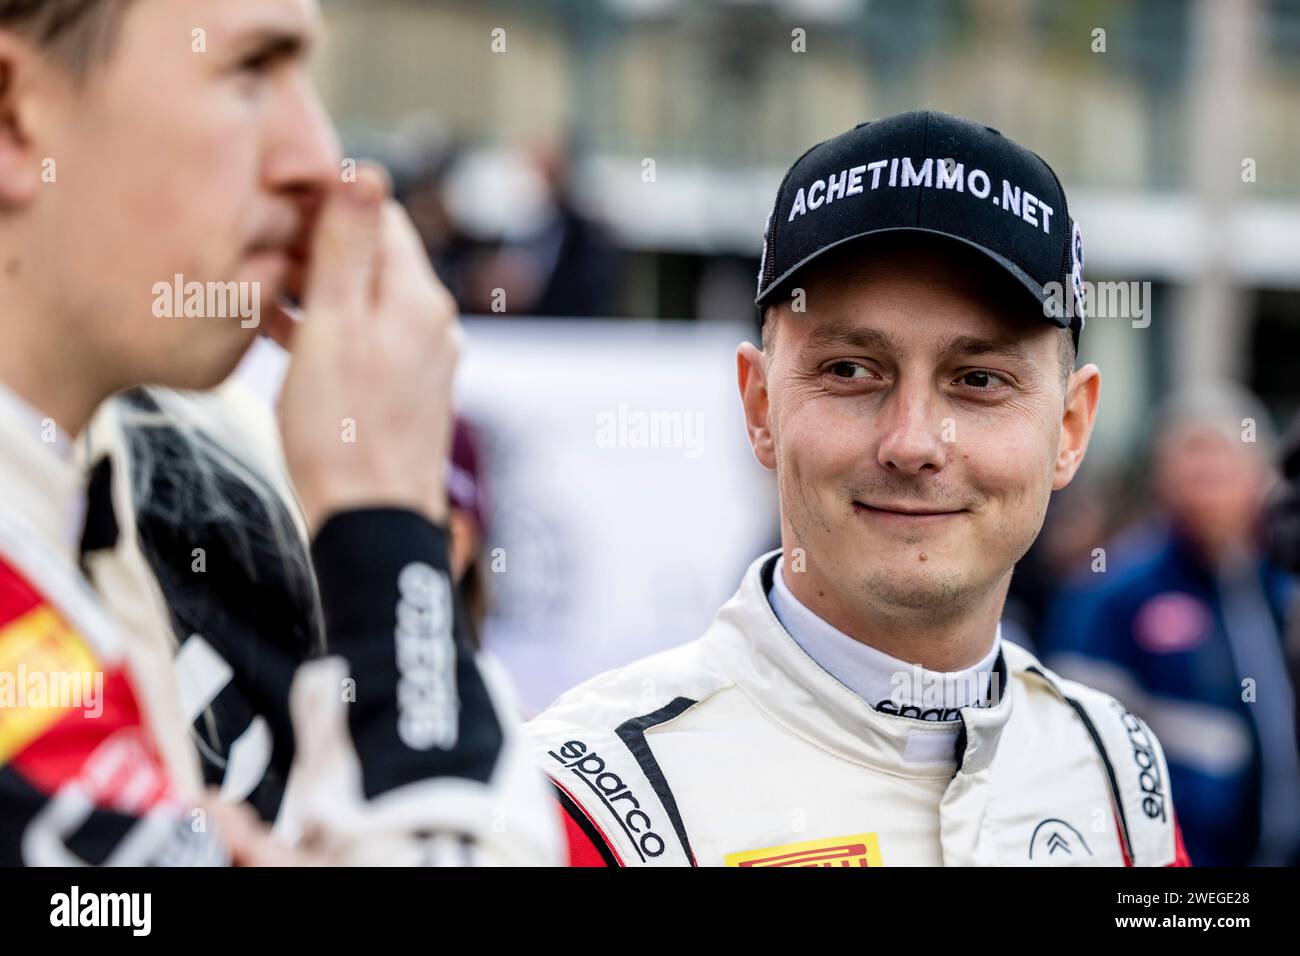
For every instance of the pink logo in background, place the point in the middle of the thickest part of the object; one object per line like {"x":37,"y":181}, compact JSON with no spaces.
{"x":1172,"y":622}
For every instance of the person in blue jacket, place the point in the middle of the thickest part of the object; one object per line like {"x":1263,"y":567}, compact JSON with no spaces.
{"x":1184,"y":621}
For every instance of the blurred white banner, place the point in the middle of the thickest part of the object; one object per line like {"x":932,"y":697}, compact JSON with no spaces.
{"x":620,"y":487}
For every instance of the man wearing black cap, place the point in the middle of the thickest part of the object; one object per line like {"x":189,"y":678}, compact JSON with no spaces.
{"x":854,"y":704}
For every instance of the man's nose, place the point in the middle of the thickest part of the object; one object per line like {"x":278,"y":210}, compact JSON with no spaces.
{"x":304,"y":155}
{"x":911,"y":438}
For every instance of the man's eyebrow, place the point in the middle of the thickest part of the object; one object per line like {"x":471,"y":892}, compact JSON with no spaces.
{"x":274,"y":43}
{"x":833,"y":336}
{"x":841,"y":336}
{"x":976,"y":345}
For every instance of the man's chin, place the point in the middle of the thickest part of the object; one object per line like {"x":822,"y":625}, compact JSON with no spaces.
{"x":894,"y":588}
{"x":921,"y":551}
{"x":200,"y":372}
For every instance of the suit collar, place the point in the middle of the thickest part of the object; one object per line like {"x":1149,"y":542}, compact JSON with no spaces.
{"x":748,"y":644}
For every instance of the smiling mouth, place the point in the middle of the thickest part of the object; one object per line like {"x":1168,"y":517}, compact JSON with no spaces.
{"x":905,"y":512}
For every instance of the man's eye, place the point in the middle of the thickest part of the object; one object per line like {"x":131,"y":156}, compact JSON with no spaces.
{"x":259,"y":63}
{"x":980,"y":379}
{"x":848,"y":370}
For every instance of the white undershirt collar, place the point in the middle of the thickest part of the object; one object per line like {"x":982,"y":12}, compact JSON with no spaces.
{"x":886,"y":683}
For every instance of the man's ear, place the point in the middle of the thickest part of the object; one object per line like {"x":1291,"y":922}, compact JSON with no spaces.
{"x":751,"y":375}
{"x":1080,"y":413}
{"x":21,"y":70}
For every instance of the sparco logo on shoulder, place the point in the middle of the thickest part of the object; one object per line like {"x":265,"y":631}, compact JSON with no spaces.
{"x":1144,"y":755}
{"x":590,"y":767}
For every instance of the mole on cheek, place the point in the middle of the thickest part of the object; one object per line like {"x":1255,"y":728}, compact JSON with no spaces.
{"x":923,"y":556}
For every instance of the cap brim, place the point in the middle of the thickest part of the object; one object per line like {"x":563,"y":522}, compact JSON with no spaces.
{"x":782,"y":283}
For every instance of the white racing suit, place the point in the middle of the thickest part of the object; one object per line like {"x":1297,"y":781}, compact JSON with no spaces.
{"x":738,"y":750}
{"x":405,"y":752}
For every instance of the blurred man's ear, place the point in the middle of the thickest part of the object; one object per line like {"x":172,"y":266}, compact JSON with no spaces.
{"x":751,"y":375}
{"x":1080,"y":413}
{"x":20,"y":166}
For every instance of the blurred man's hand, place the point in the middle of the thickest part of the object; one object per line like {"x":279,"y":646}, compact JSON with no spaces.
{"x":366,"y":406}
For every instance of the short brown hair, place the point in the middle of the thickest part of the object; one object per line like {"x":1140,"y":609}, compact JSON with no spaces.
{"x":78,"y":33}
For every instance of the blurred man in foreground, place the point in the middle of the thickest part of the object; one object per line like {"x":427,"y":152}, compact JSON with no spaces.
{"x":152,"y":145}
{"x":1188,"y":632}
{"x":854,"y":703}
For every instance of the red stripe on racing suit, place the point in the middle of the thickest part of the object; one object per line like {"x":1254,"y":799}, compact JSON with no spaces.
{"x":80,"y":778}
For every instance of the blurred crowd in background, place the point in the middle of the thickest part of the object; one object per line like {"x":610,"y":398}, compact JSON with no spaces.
{"x":580,"y":169}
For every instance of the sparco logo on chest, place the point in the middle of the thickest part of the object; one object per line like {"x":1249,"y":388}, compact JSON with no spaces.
{"x":1144,"y":755}
{"x":609,"y":786}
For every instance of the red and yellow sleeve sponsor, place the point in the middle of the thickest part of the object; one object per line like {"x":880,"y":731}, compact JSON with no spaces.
{"x":46,"y":670}
{"x":64,"y":715}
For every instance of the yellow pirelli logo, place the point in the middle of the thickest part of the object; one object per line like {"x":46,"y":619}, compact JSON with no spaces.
{"x":860,"y":850}
{"x":43,"y":669}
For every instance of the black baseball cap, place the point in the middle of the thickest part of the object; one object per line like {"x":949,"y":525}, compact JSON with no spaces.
{"x":929,"y":173}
